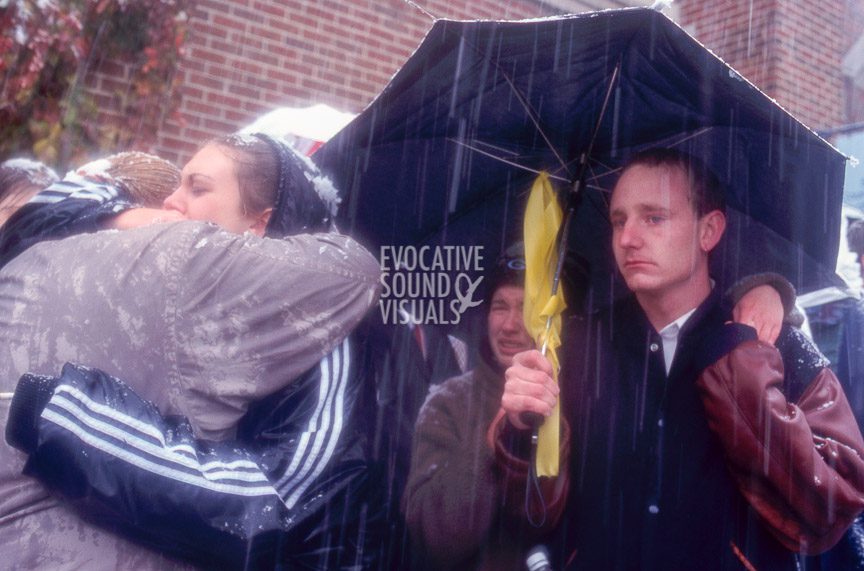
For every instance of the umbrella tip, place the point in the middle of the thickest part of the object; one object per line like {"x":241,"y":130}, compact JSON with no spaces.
{"x":421,"y":9}
{"x":660,"y":5}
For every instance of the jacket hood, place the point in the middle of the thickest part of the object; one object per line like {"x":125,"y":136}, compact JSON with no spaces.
{"x":306,"y":201}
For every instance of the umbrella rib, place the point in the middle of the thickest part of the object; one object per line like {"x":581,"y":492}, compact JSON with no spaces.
{"x":505,"y":161}
{"x":600,"y":188}
{"x":497,"y":148}
{"x":603,"y":108}
{"x":701,"y":131}
{"x":595,"y":176}
{"x":601,"y":163}
{"x":674,"y":143}
{"x":420,"y":8}
{"x":609,"y":169}
{"x":532,"y":115}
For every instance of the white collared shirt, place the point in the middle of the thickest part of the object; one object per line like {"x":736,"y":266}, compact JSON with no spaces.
{"x":669,"y":336}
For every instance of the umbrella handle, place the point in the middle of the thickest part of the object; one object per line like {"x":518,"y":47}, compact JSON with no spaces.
{"x":534,"y":420}
{"x":548,"y":328}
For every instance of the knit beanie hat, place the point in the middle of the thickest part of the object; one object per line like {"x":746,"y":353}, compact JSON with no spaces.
{"x":509,"y":270}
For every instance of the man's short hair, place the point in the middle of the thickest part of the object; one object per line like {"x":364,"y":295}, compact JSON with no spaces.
{"x":706,"y":192}
{"x":855,"y":237}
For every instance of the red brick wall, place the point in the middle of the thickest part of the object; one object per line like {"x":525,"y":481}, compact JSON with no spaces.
{"x":791,"y":49}
{"x":853,"y":27}
{"x":246,"y":57}
{"x":125,"y":120}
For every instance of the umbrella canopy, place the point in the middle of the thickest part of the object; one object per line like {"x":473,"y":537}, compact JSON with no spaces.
{"x":446,"y":153}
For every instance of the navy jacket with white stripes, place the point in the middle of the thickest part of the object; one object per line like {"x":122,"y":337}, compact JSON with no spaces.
{"x":66,"y":208}
{"x":290,"y":490}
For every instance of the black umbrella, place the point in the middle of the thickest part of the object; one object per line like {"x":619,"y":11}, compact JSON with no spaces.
{"x":447,"y":152}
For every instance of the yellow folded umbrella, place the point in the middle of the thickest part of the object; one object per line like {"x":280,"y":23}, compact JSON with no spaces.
{"x":544,"y":302}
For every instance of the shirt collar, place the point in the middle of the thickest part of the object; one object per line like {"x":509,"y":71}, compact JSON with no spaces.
{"x":669,"y":337}
{"x":672,"y":330}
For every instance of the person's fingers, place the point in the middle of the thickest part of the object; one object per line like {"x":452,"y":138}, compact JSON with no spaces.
{"x":767,"y":330}
{"x":527,"y":381}
{"x":533,"y":359}
{"x":517,"y":390}
{"x":528,"y":388}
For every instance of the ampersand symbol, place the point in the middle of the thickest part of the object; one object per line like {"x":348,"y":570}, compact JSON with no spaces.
{"x":466,"y":299}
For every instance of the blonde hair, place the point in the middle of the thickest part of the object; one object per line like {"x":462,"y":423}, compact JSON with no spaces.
{"x":147,"y":179}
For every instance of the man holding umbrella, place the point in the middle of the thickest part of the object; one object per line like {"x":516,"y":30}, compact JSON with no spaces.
{"x":694,"y":444}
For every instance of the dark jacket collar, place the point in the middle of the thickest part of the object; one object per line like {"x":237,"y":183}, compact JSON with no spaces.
{"x":629,"y":308}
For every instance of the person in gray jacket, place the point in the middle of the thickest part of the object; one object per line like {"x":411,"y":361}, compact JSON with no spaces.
{"x":452,"y":499}
{"x":199,"y":321}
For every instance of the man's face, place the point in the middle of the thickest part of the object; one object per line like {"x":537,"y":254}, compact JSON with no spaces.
{"x":655,"y":231}
{"x":507,"y":334}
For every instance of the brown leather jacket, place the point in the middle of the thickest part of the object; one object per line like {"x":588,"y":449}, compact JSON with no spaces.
{"x":800,"y":465}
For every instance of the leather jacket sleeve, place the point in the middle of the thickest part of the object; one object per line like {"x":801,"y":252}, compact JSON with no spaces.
{"x":799,"y":464}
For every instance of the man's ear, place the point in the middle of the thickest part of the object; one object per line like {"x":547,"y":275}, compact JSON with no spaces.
{"x":259,"y":226}
{"x":711,"y":228}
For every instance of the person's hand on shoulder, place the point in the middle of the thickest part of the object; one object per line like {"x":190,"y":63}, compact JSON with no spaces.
{"x":762,"y":309}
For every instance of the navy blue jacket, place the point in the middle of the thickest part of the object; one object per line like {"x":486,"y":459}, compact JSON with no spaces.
{"x":66,"y":208}
{"x":292,"y":490}
{"x":649,"y":487}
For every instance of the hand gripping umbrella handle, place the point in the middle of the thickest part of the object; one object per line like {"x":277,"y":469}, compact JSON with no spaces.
{"x":534,"y":420}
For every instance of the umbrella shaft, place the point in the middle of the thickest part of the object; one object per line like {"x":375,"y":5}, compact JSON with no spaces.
{"x":546,"y":336}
